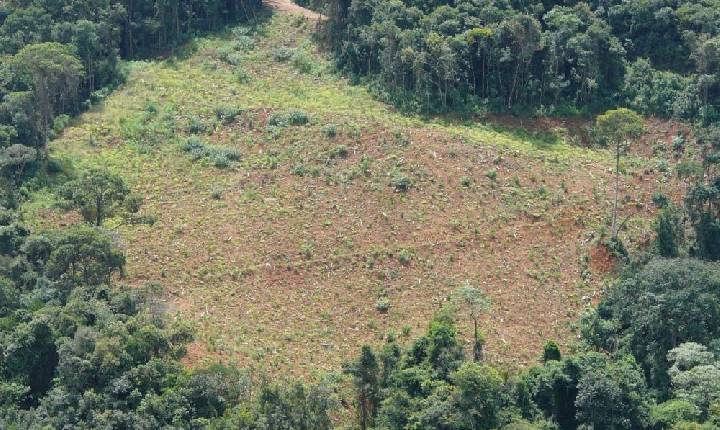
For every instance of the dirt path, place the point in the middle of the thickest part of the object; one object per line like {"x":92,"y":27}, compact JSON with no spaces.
{"x":290,"y":7}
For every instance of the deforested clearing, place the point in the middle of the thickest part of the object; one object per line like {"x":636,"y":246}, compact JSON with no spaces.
{"x":294,"y":217}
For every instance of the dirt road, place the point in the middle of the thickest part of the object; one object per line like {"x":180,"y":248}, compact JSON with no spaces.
{"x":290,"y":7}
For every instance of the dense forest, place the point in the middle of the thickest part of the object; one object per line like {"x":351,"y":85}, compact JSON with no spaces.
{"x":80,"y":350}
{"x":660,"y":57}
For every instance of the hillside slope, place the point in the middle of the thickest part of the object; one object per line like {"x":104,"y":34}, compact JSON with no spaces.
{"x":328,"y":234}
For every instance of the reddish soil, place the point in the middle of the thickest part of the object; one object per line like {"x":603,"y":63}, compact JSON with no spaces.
{"x":522,"y":238}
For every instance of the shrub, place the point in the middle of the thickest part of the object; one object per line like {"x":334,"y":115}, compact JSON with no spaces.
{"x":670,"y":232}
{"x":282,"y":54}
{"x":401,"y":139}
{"x":277,"y":119}
{"x":133,"y":203}
{"x":56,"y":166}
{"x":298,"y":117}
{"x":302,"y":61}
{"x":219,"y":160}
{"x":678,"y":143}
{"x":404,"y":256}
{"x":196,"y":125}
{"x":401,"y":182}
{"x":227,"y":114}
{"x":340,"y":151}
{"x":243,"y":43}
{"x":234,"y":59}
{"x":242,"y":75}
{"x":241,"y":31}
{"x":364,"y":165}
{"x":616,"y":246}
{"x":660,"y":199}
{"x":229,"y":55}
{"x":307,"y":250}
{"x":299,"y":170}
{"x":59,"y":124}
{"x":330,"y":130}
{"x":219,"y":157}
{"x":194,"y":147}
{"x":551,"y":352}
{"x":230,"y":154}
{"x":146,"y":220}
{"x":542,"y":192}
{"x":284,"y":119}
{"x":383,"y":304}
{"x":689,"y":168}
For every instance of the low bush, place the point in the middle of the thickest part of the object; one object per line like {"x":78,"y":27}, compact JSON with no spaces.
{"x":282,"y":54}
{"x":383,"y":305}
{"x":340,"y":151}
{"x":284,"y":119}
{"x":244,"y":43}
{"x":302,"y":61}
{"x":330,"y":131}
{"x":299,"y":170}
{"x":227,"y":114}
{"x":219,"y":157}
{"x":59,"y":124}
{"x":196,"y":126}
{"x":401,"y":182}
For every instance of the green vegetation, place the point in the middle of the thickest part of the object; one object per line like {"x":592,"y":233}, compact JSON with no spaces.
{"x":219,"y":157}
{"x":78,"y":350}
{"x":658,"y":56}
{"x":96,"y":194}
{"x":616,"y":128}
{"x":236,"y":213}
{"x":648,"y":360}
{"x":57,"y":60}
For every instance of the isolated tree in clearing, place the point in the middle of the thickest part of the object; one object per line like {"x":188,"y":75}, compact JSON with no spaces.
{"x":476,"y":303}
{"x":96,"y":194}
{"x":619,"y":127}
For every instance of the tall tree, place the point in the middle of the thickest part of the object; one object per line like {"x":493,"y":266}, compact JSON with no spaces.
{"x":703,"y":199}
{"x":365,"y":378}
{"x":476,"y":302}
{"x":96,"y":194}
{"x":619,"y":127}
{"x":53,"y":73}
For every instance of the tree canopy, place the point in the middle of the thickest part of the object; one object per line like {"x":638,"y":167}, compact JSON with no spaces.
{"x":656,"y":56}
